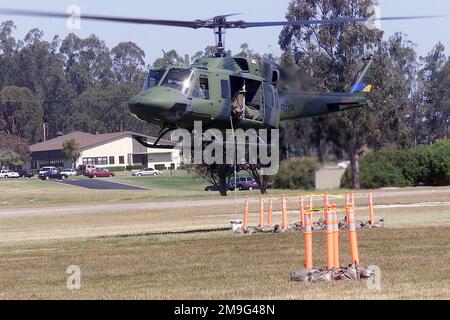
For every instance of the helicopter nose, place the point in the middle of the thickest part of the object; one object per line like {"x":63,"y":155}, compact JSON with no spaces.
{"x":156,"y":105}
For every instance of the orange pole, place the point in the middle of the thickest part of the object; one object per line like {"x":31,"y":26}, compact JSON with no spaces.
{"x":336,"y":237}
{"x":302,"y":210}
{"x":329,"y":237}
{"x":261,"y":212}
{"x":246,"y":213}
{"x":326,"y":203}
{"x":269,"y":213}
{"x":311,"y":206}
{"x":353,"y":200}
{"x":347,"y":203}
{"x":308,"y":240}
{"x":284,"y":211}
{"x":371,"y":207}
{"x":352,"y":235}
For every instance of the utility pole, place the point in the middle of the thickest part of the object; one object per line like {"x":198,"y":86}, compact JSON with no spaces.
{"x":45,"y":127}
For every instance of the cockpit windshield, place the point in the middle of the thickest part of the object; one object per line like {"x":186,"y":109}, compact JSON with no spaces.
{"x":153,"y":78}
{"x":179,"y":79}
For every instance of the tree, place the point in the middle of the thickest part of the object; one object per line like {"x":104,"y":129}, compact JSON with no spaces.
{"x":71,"y":150}
{"x":435,"y":90}
{"x":334,"y":55}
{"x":20,"y":115}
{"x":218,"y":175}
{"x":128,"y":62}
{"x":87,"y":62}
{"x":13,"y":151}
{"x":170,"y":58}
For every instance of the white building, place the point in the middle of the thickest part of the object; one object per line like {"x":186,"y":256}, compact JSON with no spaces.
{"x":120,"y":149}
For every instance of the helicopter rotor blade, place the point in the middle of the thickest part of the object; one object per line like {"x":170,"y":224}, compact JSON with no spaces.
{"x":244,"y":24}
{"x":48,"y":14}
{"x":215,"y":22}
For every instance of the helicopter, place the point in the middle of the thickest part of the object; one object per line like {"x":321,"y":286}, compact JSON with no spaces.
{"x":224,"y":91}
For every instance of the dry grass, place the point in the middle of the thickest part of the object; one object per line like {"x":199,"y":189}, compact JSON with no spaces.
{"x":413,"y":252}
{"x":88,"y":225}
{"x":414,"y":264}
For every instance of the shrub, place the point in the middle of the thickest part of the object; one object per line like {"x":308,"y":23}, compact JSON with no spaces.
{"x":116,"y":169}
{"x":296,"y":174}
{"x":428,"y":165}
{"x":160,"y":167}
{"x":134,"y":167}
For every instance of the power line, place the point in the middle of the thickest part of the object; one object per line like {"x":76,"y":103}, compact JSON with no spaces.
{"x":66,"y":100}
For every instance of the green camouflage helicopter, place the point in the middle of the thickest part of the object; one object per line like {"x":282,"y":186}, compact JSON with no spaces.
{"x":224,"y":91}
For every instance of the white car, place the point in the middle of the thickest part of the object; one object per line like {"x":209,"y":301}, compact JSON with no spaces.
{"x":44,"y":170}
{"x":343,"y":164}
{"x":145,"y":172}
{"x":8,"y":174}
{"x":69,"y":172}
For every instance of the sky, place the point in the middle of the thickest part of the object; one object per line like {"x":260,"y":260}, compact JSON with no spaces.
{"x":154,"y":39}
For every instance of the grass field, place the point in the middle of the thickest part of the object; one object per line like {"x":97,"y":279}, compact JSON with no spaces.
{"x":128,"y":255}
{"x":413,"y":261}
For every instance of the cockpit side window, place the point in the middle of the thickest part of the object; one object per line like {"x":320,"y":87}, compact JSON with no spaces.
{"x":178,"y":79}
{"x":201,"y":87}
{"x":153,"y":78}
{"x":204,"y":87}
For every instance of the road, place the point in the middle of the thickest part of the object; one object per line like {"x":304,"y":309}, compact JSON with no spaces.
{"x":410,"y":195}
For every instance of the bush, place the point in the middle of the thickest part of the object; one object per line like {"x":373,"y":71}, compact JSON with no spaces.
{"x":296,"y":174}
{"x":428,"y":165}
{"x":135,"y":167}
{"x":116,"y":169}
{"x":160,"y":167}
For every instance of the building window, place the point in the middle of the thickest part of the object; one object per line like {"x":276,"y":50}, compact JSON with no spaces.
{"x":121,"y":160}
{"x":98,"y":161}
{"x":111,"y":160}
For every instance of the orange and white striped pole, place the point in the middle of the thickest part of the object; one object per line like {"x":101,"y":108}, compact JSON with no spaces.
{"x":336,"y":237}
{"x":269,"y":212}
{"x":352,"y":235}
{"x":284,"y":211}
{"x":246,"y":213}
{"x":307,"y":234}
{"x":261,"y":212}
{"x":371,"y":208}
{"x":302,"y":210}
{"x":326,"y":202}
{"x":346,"y":205}
{"x":329,"y":237}
{"x":311,"y":207}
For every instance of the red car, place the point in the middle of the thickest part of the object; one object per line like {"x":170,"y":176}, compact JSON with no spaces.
{"x":249,"y":185}
{"x":99,"y":173}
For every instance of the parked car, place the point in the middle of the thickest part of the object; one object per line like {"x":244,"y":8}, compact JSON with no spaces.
{"x":50,"y":173}
{"x":8,"y":174}
{"x":26,"y":174}
{"x":249,"y":185}
{"x":83,"y":169}
{"x":145,"y":172}
{"x":69,"y":172}
{"x":239,"y":182}
{"x":100,"y":173}
{"x":343,"y":164}
{"x":211,"y":187}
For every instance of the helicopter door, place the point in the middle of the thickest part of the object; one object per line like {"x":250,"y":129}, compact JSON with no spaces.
{"x":204,"y":98}
{"x":247,"y":99}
